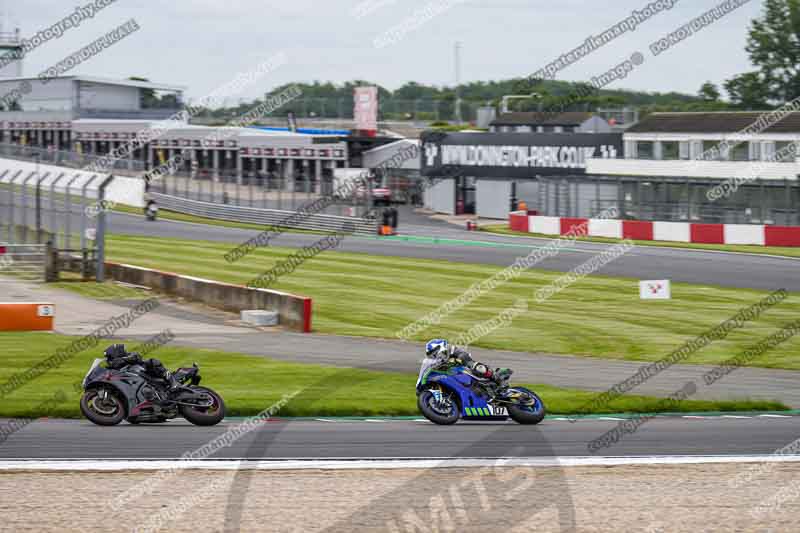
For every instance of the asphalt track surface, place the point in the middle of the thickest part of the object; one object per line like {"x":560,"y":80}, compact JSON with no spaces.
{"x":439,"y":240}
{"x":410,"y":439}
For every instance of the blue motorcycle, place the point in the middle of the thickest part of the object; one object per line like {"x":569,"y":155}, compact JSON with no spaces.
{"x":447,"y":392}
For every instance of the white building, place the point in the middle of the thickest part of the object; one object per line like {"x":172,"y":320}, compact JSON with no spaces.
{"x":683,"y":145}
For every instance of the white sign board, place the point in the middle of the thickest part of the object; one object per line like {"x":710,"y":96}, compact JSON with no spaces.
{"x":655,"y":290}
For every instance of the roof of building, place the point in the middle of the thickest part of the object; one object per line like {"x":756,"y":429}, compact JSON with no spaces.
{"x":539,"y":118}
{"x":713,"y":122}
{"x":105,"y":81}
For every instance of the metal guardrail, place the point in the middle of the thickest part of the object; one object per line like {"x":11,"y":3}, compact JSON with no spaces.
{"x":266,"y":217}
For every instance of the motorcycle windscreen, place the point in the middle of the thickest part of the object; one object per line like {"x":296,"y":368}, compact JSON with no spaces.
{"x":427,"y":364}
{"x":95,"y":364}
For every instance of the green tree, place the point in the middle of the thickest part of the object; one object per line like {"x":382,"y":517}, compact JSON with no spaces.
{"x":774,"y":48}
{"x":746,"y":91}
{"x":709,"y":92}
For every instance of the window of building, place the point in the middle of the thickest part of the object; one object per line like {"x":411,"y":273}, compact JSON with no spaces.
{"x":559,"y":129}
{"x":670,"y":150}
{"x":755,"y":150}
{"x":524,"y":129}
{"x":645,"y":149}
{"x":711,"y":151}
{"x":684,"y":150}
{"x":783,"y":152}
{"x":740,"y":152}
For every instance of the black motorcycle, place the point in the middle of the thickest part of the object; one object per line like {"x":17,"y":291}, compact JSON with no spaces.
{"x":112,"y":395}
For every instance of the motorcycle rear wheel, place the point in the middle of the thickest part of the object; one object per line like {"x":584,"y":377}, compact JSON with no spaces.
{"x":205,"y":416}
{"x":524,"y":414}
{"x":108,"y":411}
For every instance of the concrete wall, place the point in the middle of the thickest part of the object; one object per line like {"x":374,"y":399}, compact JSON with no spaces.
{"x":294,"y":311}
{"x":493,"y":198}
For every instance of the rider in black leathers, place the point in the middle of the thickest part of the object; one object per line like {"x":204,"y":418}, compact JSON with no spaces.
{"x":117,"y":357}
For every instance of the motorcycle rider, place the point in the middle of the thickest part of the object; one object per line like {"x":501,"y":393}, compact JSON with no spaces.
{"x":118,"y":357}
{"x":441,"y":349}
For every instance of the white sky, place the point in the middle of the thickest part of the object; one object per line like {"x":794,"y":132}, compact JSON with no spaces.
{"x":203,"y":44}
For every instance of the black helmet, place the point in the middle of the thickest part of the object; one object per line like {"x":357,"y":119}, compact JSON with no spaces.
{"x":115,"y":351}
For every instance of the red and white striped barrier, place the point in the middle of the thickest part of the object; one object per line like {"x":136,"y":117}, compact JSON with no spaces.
{"x":760,"y":235}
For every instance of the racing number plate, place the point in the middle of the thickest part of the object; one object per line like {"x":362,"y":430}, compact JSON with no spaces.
{"x":498,"y":410}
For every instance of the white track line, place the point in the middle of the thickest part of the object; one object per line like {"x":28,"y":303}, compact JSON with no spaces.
{"x":378,"y":464}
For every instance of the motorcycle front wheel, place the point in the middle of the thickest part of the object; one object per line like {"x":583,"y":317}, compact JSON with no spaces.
{"x":443,"y":412}
{"x":205,"y":416}
{"x":102,"y":406}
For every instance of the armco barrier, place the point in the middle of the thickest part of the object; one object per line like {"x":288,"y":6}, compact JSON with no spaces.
{"x":294,"y":311}
{"x":26,"y":316}
{"x":748,"y":234}
{"x":266,"y":217}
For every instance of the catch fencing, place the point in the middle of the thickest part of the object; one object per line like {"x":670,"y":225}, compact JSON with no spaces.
{"x":51,"y":206}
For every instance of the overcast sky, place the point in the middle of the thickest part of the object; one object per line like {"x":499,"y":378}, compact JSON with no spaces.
{"x":202,"y":44}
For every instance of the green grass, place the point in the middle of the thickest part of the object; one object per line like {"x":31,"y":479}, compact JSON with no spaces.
{"x":376,"y":296}
{"x":251,"y":384}
{"x":110,"y":290}
{"x":181,"y":217}
{"x":503,"y":229}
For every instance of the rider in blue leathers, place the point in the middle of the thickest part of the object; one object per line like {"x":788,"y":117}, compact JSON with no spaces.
{"x":441,"y":349}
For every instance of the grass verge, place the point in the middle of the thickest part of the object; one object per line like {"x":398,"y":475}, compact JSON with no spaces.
{"x":376,"y":296}
{"x":110,"y":290}
{"x":503,"y":229}
{"x":251,"y":384}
